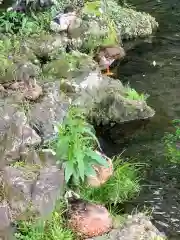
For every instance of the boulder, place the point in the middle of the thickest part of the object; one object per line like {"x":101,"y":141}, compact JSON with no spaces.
{"x":106,"y":100}
{"x":88,"y":219}
{"x":49,"y":111}
{"x":135,"y":228}
{"x":48,"y":188}
{"x":16,"y":134}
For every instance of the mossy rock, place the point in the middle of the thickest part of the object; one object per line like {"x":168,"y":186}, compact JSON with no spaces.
{"x":131,"y":23}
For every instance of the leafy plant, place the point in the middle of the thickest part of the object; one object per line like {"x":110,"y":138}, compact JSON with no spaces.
{"x":172,"y":143}
{"x":122,"y":186}
{"x":133,"y":95}
{"x":50,"y":229}
{"x":75,"y":147}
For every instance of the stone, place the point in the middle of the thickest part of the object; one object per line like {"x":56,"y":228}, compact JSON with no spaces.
{"x":136,"y":227}
{"x":49,"y":111}
{"x":105,"y":100}
{"x":102,"y":174}
{"x":5,"y":217}
{"x":88,"y":219}
{"x":48,"y":189}
{"x":16,"y":134}
{"x":18,"y":184}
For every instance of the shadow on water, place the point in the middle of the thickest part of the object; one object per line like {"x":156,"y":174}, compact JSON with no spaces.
{"x":161,"y":183}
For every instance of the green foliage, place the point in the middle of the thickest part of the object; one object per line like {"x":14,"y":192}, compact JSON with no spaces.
{"x":122,"y":186}
{"x":75,"y":147}
{"x":92,"y":8}
{"x":133,"y":95}
{"x":19,"y":23}
{"x":172,"y":143}
{"x":51,"y":229}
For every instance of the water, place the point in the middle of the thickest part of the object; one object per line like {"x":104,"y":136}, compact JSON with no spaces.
{"x":162,"y":82}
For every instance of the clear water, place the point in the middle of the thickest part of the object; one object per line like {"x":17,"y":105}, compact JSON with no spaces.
{"x":161,"y":189}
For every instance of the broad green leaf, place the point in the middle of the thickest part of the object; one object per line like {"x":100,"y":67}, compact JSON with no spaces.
{"x":96,"y":157}
{"x":89,"y":171}
{"x":68,"y":171}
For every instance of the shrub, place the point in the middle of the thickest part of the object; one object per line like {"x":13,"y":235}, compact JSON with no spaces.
{"x":75,"y":147}
{"x":122,"y":186}
{"x":172,"y":143}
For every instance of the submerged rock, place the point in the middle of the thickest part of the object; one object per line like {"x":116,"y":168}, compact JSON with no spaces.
{"x":89,"y":219}
{"x":137,"y":227}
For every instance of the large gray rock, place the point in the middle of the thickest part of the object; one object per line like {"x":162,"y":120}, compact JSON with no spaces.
{"x":15,"y":133}
{"x":105,"y":100}
{"x":48,"y":189}
{"x":137,"y":227}
{"x":49,"y":111}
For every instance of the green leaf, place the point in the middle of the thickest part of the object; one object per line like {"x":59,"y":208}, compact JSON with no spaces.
{"x":81,"y":168}
{"x":97,"y":158}
{"x":68,"y":171}
{"x":89,"y":171}
{"x":89,"y":131}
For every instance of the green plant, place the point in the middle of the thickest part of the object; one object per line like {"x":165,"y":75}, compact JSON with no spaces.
{"x":53,"y":228}
{"x":122,"y":186}
{"x":75,"y":147}
{"x":172,"y":143}
{"x":133,"y":95}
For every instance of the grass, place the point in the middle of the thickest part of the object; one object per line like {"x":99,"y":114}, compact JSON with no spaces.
{"x":53,"y":228}
{"x":172,"y":143}
{"x":133,"y":95}
{"x":122,"y":186}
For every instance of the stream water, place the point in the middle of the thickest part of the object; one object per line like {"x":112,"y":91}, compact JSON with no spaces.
{"x":161,"y":185}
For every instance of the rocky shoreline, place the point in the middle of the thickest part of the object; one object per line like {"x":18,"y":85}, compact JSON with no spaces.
{"x":42,"y":75}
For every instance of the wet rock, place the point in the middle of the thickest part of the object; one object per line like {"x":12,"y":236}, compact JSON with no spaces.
{"x":102,"y":174}
{"x":106,"y":100}
{"x":16,"y":134}
{"x":48,"y":189}
{"x":49,"y":111}
{"x":89,"y":219}
{"x":18,"y":187}
{"x":137,"y":227}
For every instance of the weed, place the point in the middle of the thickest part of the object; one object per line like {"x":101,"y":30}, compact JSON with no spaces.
{"x":75,"y":147}
{"x":172,"y":143}
{"x":50,"y":229}
{"x":133,"y":95}
{"x":122,"y":186}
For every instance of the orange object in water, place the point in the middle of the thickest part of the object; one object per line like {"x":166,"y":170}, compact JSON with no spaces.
{"x":108,"y":73}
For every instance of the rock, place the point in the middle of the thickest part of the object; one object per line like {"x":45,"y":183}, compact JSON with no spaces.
{"x":18,"y":186}
{"x":47,"y":47}
{"x":137,"y":227}
{"x":65,"y":21}
{"x":48,"y":189}
{"x":131,"y":23}
{"x":106,"y":100}
{"x":69,"y":65}
{"x":16,"y":134}
{"x":102,"y":174}
{"x":29,"y":91}
{"x":5,"y":217}
{"x":89,"y":219}
{"x":49,"y":111}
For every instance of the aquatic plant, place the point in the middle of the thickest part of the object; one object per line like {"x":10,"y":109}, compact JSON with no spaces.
{"x":75,"y":147}
{"x":51,"y":229}
{"x":122,"y":186}
{"x":133,"y":95}
{"x":172,"y":143}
